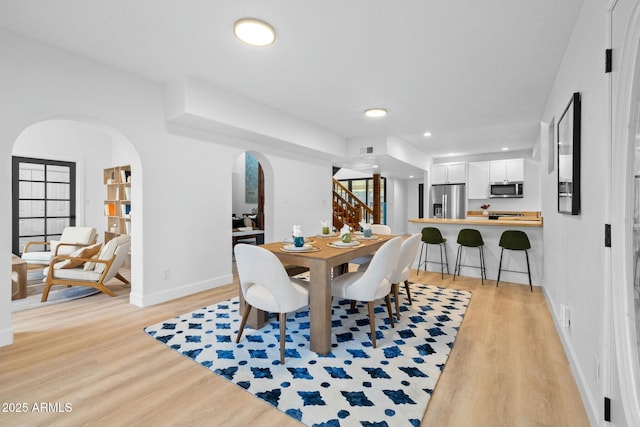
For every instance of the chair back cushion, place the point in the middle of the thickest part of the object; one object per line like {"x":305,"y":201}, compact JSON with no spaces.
{"x":109,"y":249}
{"x":264,"y":281}
{"x":432,"y":235}
{"x":123,"y":244}
{"x":82,"y":235}
{"x":515,"y":240}
{"x":375,"y":281}
{"x":408,"y":253}
{"x":470,"y":237}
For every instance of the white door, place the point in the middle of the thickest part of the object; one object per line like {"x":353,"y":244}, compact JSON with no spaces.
{"x":625,"y":208}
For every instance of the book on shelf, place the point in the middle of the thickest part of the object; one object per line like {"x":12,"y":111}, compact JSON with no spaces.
{"x":127,"y":227}
{"x":125,"y":210}
{"x":110,"y":209}
{"x":127,"y":193}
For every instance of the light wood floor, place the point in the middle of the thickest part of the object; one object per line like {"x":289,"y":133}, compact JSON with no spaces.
{"x":507,"y":367}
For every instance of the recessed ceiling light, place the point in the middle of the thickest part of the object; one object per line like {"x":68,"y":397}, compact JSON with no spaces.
{"x":375,"y":166}
{"x":505,"y":148}
{"x":427,"y":134}
{"x":254,"y":32}
{"x":375,"y":112}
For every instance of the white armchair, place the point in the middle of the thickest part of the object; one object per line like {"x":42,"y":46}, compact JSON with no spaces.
{"x":83,"y":270}
{"x":266,"y":286}
{"x":371,"y":284}
{"x":71,"y":239}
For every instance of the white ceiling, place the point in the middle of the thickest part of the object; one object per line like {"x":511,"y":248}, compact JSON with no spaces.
{"x":476,"y":74}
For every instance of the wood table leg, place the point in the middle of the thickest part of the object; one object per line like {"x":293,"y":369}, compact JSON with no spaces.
{"x":257,"y":318}
{"x":320,"y":307}
{"x":20,"y":268}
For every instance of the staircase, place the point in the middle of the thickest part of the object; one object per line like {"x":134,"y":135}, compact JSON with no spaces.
{"x":348,"y":208}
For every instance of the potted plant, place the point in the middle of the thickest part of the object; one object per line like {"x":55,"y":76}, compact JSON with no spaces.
{"x":485,"y":209}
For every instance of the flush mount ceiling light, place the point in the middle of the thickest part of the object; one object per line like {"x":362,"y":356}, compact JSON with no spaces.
{"x":254,"y":32}
{"x":427,"y":134}
{"x":375,"y":112}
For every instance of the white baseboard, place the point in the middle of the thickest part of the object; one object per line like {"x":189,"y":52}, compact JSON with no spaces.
{"x":587,"y":398}
{"x":179,"y":292}
{"x":6,"y":337}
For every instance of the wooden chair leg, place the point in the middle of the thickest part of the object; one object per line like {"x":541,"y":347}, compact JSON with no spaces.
{"x":387,"y":299}
{"x":283,"y":334}
{"x":372,"y":323}
{"x":406,"y":287}
{"x":245,"y":315}
{"x":122,"y":279}
{"x":353,"y":305}
{"x":45,"y":292}
{"x":396,"y":299}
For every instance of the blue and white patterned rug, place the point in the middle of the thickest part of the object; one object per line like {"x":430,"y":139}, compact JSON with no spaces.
{"x":355,"y":384}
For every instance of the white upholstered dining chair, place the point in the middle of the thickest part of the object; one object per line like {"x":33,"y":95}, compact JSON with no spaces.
{"x":363,"y":261}
{"x":408,"y":253}
{"x":371,"y":284}
{"x":266,"y":286}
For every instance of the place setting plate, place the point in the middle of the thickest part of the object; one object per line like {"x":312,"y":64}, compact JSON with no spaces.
{"x":328,"y":236}
{"x":303,"y":248}
{"x":372,"y":237}
{"x":342,"y":245}
{"x":307,"y":241}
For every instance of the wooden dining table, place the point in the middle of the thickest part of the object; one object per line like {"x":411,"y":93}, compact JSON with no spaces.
{"x":321,"y":262}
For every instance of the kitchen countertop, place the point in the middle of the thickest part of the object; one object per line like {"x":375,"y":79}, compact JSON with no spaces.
{"x":522,"y":221}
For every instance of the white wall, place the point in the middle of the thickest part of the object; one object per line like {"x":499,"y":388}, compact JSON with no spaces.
{"x":397,"y":201}
{"x":574,"y":256}
{"x":182,"y":186}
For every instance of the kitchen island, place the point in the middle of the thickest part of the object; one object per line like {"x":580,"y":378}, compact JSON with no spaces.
{"x":491,"y":230}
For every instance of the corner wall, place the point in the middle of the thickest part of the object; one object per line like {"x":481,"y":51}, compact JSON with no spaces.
{"x":574,"y":255}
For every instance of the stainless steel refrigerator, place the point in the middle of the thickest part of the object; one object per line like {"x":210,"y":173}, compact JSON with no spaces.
{"x":448,"y":201}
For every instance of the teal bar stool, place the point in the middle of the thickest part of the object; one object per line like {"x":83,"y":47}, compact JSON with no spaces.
{"x":432,"y":236}
{"x":515,"y":240}
{"x":470,"y":238}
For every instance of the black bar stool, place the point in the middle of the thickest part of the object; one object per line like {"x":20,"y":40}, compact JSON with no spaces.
{"x":470,"y":238}
{"x":515,"y":240}
{"x":432,"y":236}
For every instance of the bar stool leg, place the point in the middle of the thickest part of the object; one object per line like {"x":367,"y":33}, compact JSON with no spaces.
{"x":441,"y":263}
{"x":456,"y":267}
{"x":528,"y":269}
{"x":499,"y":267}
{"x":420,"y":259}
{"x":446,"y":259}
{"x":483,"y":272}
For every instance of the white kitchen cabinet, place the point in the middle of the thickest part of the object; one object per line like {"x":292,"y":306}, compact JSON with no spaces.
{"x":506,"y":170}
{"x":449,"y":173}
{"x":439,"y":174}
{"x":478,"y":180}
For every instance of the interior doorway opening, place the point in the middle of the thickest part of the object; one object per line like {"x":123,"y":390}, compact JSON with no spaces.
{"x":248,"y":199}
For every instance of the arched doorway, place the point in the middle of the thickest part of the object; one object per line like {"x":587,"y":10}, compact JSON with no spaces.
{"x":252,"y":183}
{"x":92,"y":146}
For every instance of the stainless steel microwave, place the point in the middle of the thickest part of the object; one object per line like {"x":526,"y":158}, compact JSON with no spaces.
{"x":506,"y":189}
